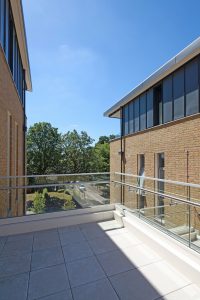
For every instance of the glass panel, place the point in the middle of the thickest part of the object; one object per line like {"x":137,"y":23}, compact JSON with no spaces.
{"x":158,"y":104}
{"x":126,"y":131}
{"x":137,"y":111}
{"x":131,"y":117}
{"x":167,"y":99}
{"x":192,"y":88}
{"x":123,"y":122}
{"x":2,"y":28}
{"x":6,"y":42}
{"x":178,"y":92}
{"x":143,"y":112}
{"x":50,"y":193}
{"x":150,"y":108}
{"x":140,"y":183}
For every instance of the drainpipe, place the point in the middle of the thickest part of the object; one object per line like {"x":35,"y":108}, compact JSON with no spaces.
{"x":121,"y":153}
{"x":24,"y":142}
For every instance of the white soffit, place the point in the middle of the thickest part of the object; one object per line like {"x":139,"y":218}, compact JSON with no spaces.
{"x":174,"y":63}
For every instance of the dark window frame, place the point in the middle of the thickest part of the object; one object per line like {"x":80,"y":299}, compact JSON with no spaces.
{"x":150,"y":119}
{"x":143,"y":96}
{"x":197,"y":57}
{"x":195,"y":60}
{"x":165,"y":120}
{"x":10,"y":45}
{"x":156,"y":104}
{"x":182,"y":68}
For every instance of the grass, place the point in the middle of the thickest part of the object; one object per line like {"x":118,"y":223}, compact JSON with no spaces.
{"x":54,"y":201}
{"x":30,"y":197}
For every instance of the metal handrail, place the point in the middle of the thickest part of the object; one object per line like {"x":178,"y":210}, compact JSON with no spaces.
{"x":158,"y":193}
{"x":50,"y":185}
{"x":160,"y":180}
{"x":53,"y":175}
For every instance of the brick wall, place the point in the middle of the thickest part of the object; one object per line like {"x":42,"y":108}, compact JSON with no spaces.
{"x":180,"y":142}
{"x":10,"y":105}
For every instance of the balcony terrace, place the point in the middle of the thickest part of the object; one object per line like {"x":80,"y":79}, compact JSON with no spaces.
{"x":105,"y":251}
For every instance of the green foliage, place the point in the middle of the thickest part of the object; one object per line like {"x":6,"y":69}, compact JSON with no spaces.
{"x":69,"y":204}
{"x":102,"y":157}
{"x":77,"y":151}
{"x":50,"y":152}
{"x":45,"y":193}
{"x":39,"y":203}
{"x":105,"y":139}
{"x":43,"y":149}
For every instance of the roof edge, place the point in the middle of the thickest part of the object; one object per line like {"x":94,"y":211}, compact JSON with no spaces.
{"x":18,"y":15}
{"x":171,"y":65}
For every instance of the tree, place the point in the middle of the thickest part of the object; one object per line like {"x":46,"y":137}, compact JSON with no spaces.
{"x":77,"y":152}
{"x":50,"y":152}
{"x":105,"y":139}
{"x":39,"y":202}
{"x":43,"y":149}
{"x":101,"y":154}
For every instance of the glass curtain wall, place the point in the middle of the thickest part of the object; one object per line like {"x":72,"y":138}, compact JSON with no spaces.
{"x":9,"y":44}
{"x":175,"y":97}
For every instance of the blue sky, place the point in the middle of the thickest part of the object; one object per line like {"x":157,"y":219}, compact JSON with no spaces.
{"x":87,"y":54}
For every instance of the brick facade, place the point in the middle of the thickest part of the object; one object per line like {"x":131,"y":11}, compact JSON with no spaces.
{"x":180,"y":142}
{"x":11,"y":141}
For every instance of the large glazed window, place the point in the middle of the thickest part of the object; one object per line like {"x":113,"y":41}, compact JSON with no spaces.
{"x":150,"y":108}
{"x":2,"y":21}
{"x":131,"y":117}
{"x":175,"y":97}
{"x":9,"y":43}
{"x":137,"y":114}
{"x":167,"y":99}
{"x":158,"y":104}
{"x":7,"y":29}
{"x":126,"y":131}
{"x":143,"y":112}
{"x":178,"y":92}
{"x":191,"y":88}
{"x":141,"y":181}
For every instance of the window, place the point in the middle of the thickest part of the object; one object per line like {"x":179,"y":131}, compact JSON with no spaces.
{"x":11,"y":48}
{"x":137,"y":114}
{"x":160,"y":184}
{"x":141,"y":164}
{"x":123,"y":121}
{"x":141,"y":180}
{"x":173,"y":98}
{"x":150,"y":108}
{"x":126,"y":131}
{"x":192,"y":87}
{"x":143,"y":112}
{"x":158,"y":105}
{"x":2,"y":21}
{"x":131,"y":117}
{"x":8,"y":40}
{"x":167,"y":99}
{"x":6,"y":29}
{"x":178,"y":92}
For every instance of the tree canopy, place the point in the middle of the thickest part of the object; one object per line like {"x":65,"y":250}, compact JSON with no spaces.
{"x":49,"y":151}
{"x":43,"y":149}
{"x":77,"y":152}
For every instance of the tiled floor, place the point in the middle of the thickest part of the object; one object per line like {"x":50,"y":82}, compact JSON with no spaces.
{"x":87,"y":262}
